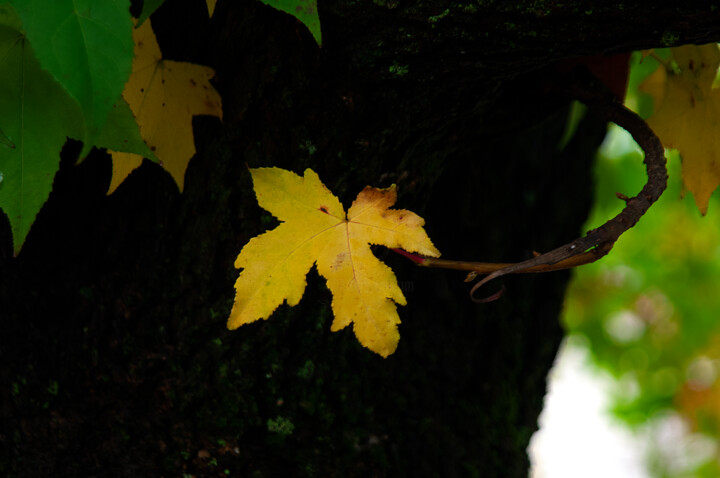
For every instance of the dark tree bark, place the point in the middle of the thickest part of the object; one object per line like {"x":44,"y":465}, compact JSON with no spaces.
{"x":117,"y":359}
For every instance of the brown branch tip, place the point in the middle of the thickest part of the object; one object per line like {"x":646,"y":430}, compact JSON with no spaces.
{"x":598,"y":242}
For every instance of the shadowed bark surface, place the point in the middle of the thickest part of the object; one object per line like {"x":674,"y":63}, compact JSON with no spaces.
{"x":117,"y":361}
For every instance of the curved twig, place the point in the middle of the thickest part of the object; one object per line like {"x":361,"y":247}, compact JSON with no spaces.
{"x":480,"y":268}
{"x":597,"y":242}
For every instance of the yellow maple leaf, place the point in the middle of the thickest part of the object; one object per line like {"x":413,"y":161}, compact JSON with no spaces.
{"x":315,"y":229}
{"x":164,"y":95}
{"x":123,"y":165}
{"x":211,"y":7}
{"x":687,"y":116}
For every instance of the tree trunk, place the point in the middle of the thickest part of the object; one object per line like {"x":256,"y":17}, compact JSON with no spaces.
{"x":118,"y":361}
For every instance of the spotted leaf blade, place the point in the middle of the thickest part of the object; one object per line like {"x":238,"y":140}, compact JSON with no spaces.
{"x":314,"y":229}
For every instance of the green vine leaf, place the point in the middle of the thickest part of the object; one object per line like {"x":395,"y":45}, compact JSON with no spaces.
{"x":303,"y":10}
{"x":87,"y":46}
{"x":149,"y":7}
{"x":121,"y":133}
{"x":36,"y":115}
{"x":5,"y":140}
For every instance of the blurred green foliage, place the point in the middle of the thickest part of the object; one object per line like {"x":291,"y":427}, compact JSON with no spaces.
{"x":650,"y":310}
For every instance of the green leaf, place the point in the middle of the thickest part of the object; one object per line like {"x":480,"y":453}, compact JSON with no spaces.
{"x":149,"y":7}
{"x":11,"y":23}
{"x":121,"y":133}
{"x":36,"y":115}
{"x":87,"y":46}
{"x":303,"y":10}
{"x":5,"y":140}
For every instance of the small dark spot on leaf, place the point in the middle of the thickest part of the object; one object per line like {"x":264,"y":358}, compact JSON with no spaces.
{"x":152,"y":148}
{"x":192,"y":82}
{"x":324,"y":209}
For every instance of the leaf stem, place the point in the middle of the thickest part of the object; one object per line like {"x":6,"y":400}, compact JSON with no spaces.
{"x":597,"y":242}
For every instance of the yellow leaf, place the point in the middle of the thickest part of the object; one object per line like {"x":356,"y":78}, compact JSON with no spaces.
{"x":687,"y":116}
{"x":164,"y":95}
{"x":123,"y":165}
{"x":655,"y":85}
{"x":211,"y":7}
{"x":314,"y":229}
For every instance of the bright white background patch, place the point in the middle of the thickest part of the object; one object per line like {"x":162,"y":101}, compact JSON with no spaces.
{"x":577,"y":436}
